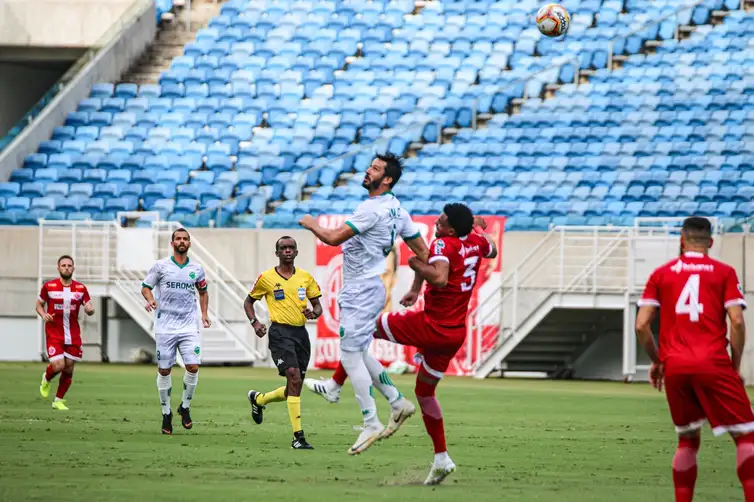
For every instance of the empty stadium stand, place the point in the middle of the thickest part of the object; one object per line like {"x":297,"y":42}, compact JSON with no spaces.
{"x":268,"y":90}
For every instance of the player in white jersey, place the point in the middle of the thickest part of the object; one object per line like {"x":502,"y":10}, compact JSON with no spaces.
{"x":368,"y":237}
{"x":177,"y":325}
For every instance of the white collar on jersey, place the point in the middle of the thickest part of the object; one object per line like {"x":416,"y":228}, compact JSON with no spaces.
{"x":463,"y":238}
{"x":693,"y":254}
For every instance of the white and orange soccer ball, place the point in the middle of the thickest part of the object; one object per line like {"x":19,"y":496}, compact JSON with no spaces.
{"x":553,"y":20}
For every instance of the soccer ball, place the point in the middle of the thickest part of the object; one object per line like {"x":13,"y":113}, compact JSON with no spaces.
{"x":553,"y":20}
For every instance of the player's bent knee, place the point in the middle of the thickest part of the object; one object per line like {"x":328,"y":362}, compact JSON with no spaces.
{"x":58,"y":365}
{"x":192,"y":368}
{"x":164,"y":371}
{"x":294,"y":376}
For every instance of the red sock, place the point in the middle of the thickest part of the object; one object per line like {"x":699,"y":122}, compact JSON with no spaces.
{"x":685,"y":468}
{"x":431,"y":412}
{"x":50,"y":373}
{"x":64,"y":384}
{"x":340,"y":375}
{"x":745,"y":464}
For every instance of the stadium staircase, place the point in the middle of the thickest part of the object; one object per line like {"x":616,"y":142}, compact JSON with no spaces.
{"x":577,"y":284}
{"x":113,"y":260}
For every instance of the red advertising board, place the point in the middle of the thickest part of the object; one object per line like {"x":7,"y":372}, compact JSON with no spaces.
{"x":397,"y":279}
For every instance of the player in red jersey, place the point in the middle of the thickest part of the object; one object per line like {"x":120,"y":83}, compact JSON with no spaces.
{"x":439,"y":330}
{"x":694,"y":294}
{"x":58,"y":305}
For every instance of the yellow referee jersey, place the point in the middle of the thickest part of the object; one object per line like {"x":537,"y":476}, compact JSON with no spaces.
{"x":286,"y":298}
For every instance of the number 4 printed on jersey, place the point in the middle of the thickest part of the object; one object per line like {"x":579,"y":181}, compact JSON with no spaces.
{"x":688,"y":301}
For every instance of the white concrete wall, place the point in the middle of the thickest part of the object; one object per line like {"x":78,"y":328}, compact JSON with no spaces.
{"x":58,"y":23}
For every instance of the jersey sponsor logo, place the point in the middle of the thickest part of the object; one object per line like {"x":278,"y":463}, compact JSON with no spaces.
{"x":278,"y":292}
{"x":302,"y":294}
{"x":691,"y":267}
{"x":65,"y":308}
{"x":179,"y":285}
{"x":467,"y":250}
{"x":439,"y":246}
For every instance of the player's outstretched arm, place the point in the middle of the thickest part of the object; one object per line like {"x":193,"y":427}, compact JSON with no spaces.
{"x":435,"y":273}
{"x":330,"y":236}
{"x":737,"y":334}
{"x":480,"y":225}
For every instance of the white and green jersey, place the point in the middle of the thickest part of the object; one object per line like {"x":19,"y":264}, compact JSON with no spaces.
{"x":175,"y":288}
{"x":377,"y":221}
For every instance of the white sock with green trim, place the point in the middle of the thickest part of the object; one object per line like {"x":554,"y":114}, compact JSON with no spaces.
{"x":381,"y":380}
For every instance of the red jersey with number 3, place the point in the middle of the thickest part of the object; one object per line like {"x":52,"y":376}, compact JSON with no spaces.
{"x":693,"y":293}
{"x":448,"y":306}
{"x":64,"y":303}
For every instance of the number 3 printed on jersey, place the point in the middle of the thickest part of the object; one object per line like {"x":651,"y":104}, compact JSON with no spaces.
{"x":688,"y":301}
{"x":470,"y":273}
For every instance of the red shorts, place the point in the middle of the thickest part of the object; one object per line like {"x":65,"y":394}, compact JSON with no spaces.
{"x":437,"y":346}
{"x":717,"y":396}
{"x":57,"y":349}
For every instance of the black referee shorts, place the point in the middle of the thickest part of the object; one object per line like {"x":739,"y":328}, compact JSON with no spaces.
{"x":289,"y":347}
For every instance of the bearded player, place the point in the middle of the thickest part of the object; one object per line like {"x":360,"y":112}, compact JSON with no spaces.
{"x":439,"y":331}
{"x":368,"y":236}
{"x":178,"y":281}
{"x":58,"y":305}
{"x":695,"y":293}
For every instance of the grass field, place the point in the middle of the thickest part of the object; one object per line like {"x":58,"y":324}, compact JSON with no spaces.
{"x":512,"y":441}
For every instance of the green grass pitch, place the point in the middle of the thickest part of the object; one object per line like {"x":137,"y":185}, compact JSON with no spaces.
{"x":512,"y":440}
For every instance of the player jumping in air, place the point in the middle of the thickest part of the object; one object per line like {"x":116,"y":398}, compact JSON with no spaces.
{"x":286,"y":289}
{"x":439,"y":331}
{"x":694,"y":293}
{"x":176,"y":328}
{"x":58,"y":305}
{"x":368,"y":237}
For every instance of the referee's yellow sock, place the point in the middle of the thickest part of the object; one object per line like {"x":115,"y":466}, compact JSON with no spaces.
{"x":294,"y":412}
{"x":274,"y":396}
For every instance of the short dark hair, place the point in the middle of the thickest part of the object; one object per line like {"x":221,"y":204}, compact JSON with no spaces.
{"x":277,"y":242}
{"x":65,"y":257}
{"x":460,"y":218}
{"x":393,"y":166}
{"x":697,"y":230}
{"x":181,"y":229}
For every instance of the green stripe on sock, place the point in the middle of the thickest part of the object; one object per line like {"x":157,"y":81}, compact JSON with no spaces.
{"x":385,"y":379}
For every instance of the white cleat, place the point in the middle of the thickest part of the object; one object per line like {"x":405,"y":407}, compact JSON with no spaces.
{"x":320,"y":387}
{"x":439,"y":472}
{"x":368,"y":436}
{"x":403,"y":410}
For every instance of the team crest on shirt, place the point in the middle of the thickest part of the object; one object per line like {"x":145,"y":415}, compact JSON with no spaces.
{"x":192,"y":275}
{"x":278,"y":292}
{"x":302,"y":294}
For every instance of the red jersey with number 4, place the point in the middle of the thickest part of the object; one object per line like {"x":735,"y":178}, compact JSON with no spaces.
{"x":448,"y":306}
{"x":693,"y":293}
{"x":64,"y":303}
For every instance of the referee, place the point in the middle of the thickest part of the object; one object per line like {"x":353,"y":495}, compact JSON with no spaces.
{"x":286,"y":289}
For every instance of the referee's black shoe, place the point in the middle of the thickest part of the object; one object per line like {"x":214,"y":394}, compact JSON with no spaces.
{"x":257,"y":410}
{"x":299,"y":441}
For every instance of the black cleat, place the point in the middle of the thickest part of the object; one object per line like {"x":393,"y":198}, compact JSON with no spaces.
{"x":257,"y":410}
{"x":299,"y":442}
{"x":185,"y":417}
{"x":167,"y":423}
